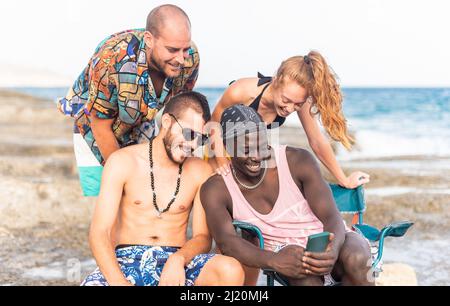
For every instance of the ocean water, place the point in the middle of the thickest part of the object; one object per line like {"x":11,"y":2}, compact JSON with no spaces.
{"x":385,"y":121}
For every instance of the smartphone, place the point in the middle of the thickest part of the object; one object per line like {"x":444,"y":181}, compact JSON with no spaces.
{"x":318,"y":243}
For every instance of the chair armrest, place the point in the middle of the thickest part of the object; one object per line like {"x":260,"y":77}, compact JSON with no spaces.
{"x":273,"y":275}
{"x":252,"y":228}
{"x":397,"y":229}
{"x":369,"y":232}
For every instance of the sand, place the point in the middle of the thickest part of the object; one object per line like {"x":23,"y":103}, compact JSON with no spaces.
{"x":45,"y":220}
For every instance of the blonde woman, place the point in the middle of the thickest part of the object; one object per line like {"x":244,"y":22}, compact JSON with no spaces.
{"x":305,"y":85}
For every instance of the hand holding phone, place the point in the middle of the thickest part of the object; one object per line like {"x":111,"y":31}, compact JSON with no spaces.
{"x":318,"y":243}
{"x":319,"y":257}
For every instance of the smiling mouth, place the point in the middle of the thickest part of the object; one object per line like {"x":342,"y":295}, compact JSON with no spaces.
{"x":283,"y":112}
{"x":252,"y":166}
{"x":176,"y":67}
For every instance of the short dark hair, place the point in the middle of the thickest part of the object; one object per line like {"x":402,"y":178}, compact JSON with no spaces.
{"x":178,"y":104}
{"x":158,"y":16}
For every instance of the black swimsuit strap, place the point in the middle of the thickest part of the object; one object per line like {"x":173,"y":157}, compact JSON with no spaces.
{"x":255,"y":104}
{"x":280,"y":120}
{"x":263,"y":79}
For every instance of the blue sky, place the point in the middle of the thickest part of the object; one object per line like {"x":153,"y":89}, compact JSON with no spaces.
{"x":367,"y":42}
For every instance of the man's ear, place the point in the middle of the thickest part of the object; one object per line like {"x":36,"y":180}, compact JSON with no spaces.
{"x":166,"y":122}
{"x":149,"y":39}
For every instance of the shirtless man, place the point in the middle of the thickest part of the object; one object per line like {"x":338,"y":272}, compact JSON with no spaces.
{"x":281,"y":191}
{"x":138,"y":230}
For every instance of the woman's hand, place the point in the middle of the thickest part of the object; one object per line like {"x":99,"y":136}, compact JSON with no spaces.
{"x":223,"y":166}
{"x":356,"y":179}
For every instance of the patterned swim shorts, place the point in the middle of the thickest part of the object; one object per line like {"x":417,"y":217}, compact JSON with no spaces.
{"x":142,"y":265}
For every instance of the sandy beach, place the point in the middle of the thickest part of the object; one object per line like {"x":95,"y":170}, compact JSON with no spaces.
{"x":45,"y":220}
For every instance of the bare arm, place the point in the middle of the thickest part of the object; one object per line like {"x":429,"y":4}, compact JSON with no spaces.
{"x":215,"y":200}
{"x":105,"y":215}
{"x":318,"y":194}
{"x":323,"y":150}
{"x":103,"y":135}
{"x":320,"y":145}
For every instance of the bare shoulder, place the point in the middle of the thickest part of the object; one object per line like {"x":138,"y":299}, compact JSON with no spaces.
{"x":124,"y":158}
{"x":245,"y":83}
{"x":214,"y":191}
{"x":198,"y":168}
{"x":296,"y":154}
{"x":301,"y":162}
{"x":214,"y":182}
{"x":242,"y":90}
{"x":196,"y":163}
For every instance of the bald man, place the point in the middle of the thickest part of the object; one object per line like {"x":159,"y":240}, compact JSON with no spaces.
{"x":127,"y":81}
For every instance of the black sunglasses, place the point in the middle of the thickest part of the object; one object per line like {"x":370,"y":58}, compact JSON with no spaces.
{"x":190,"y":134}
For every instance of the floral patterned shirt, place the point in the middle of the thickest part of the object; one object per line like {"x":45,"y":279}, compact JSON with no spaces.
{"x":117,"y":85}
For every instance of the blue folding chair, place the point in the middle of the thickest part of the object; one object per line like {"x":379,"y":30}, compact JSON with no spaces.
{"x":348,"y":201}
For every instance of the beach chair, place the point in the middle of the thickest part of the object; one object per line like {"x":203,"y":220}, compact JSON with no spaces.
{"x":348,"y":201}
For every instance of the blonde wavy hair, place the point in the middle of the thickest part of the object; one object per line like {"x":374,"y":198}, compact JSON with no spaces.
{"x":313,"y":73}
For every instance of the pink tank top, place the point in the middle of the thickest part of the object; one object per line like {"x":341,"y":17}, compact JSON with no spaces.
{"x":291,"y":220}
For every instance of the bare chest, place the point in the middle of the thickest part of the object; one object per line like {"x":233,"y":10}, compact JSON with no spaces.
{"x":170,"y":196}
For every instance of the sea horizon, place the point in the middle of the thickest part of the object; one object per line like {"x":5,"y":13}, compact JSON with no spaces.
{"x":386,"y":121}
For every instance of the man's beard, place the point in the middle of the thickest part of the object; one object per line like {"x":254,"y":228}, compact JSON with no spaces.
{"x":168,"y":144}
{"x":156,"y":65}
{"x":159,"y":67}
{"x":168,"y":147}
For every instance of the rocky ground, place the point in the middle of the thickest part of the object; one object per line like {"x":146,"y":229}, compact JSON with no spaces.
{"x":44,"y":219}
